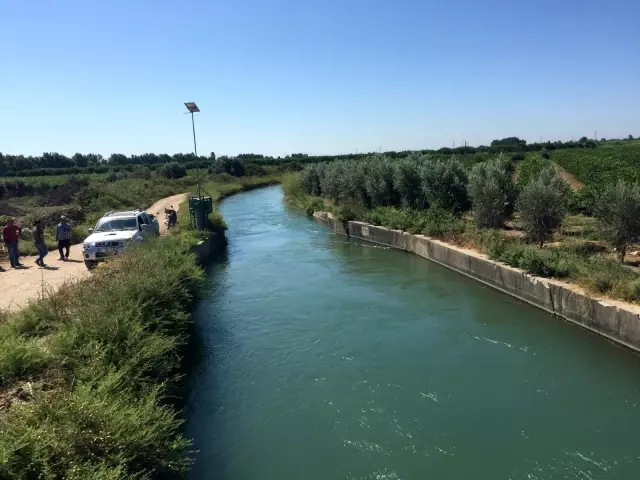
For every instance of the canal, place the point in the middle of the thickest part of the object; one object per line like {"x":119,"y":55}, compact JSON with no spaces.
{"x":322,"y":357}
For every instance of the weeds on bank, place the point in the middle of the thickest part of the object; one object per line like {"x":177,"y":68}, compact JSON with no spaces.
{"x":101,"y":359}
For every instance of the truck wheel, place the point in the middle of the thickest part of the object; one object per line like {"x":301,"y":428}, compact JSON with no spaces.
{"x":90,"y":265}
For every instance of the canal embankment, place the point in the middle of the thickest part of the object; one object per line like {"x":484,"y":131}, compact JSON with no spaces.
{"x":617,"y":321}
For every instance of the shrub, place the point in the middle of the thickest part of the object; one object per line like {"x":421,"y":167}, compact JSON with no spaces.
{"x":492,"y":193}
{"x":444,"y":183}
{"x":255,"y":170}
{"x":173,"y":170}
{"x":310,"y":180}
{"x":406,"y":181}
{"x":141,"y":172}
{"x":619,"y":213}
{"x":542,"y":205}
{"x":442,"y":223}
{"x":545,"y":263}
{"x":379,"y":183}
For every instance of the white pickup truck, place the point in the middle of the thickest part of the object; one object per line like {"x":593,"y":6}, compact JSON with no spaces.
{"x":114,"y":232}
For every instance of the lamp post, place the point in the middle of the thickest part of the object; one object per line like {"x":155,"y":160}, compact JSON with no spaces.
{"x":200,"y":206}
{"x":193,"y":108}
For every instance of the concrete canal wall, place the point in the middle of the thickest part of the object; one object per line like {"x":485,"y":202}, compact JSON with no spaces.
{"x":618,"y":321}
{"x":208,"y":248}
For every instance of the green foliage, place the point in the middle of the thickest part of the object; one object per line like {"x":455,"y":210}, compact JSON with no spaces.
{"x":109,"y":356}
{"x":233,"y":166}
{"x":531,"y":167}
{"x":310,"y":180}
{"x":542,"y":205}
{"x":604,"y":165}
{"x":379,"y":182}
{"x":407,"y":183}
{"x":619,"y":213}
{"x":173,"y":170}
{"x":492,"y":193}
{"x":434,"y":222}
{"x":444,"y":183}
{"x":544,"y":263}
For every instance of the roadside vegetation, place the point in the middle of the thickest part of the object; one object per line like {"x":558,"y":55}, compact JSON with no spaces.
{"x":537,"y":222}
{"x":89,"y":375}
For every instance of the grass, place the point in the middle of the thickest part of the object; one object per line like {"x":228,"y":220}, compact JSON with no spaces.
{"x":87,"y":374}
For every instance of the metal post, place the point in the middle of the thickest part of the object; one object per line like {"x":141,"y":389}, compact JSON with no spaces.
{"x":193,"y":125}
{"x":195,"y":151}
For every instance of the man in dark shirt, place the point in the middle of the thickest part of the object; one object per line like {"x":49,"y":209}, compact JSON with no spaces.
{"x":38,"y":240}
{"x":11,"y":236}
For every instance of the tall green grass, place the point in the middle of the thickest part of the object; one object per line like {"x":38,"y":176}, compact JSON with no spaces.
{"x":87,"y":373}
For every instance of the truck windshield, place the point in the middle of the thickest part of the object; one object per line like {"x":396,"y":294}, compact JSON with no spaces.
{"x":111,"y":224}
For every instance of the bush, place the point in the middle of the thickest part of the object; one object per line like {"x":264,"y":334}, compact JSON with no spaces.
{"x":141,"y":172}
{"x":619,"y":213}
{"x":492,"y":193}
{"x":406,"y":181}
{"x":444,"y":183}
{"x":255,"y":170}
{"x":232,"y":166}
{"x":173,"y":170}
{"x":379,"y":183}
{"x":544,"y":263}
{"x":311,"y":180}
{"x":542,"y":205}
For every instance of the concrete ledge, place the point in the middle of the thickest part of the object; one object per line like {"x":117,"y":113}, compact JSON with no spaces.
{"x":617,"y":321}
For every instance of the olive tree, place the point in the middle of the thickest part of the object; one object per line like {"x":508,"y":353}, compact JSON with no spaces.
{"x":619,"y":213}
{"x":379,"y":182}
{"x":542,"y":205}
{"x":444,"y":183}
{"x":310,"y":179}
{"x":492,"y":192}
{"x":406,"y":181}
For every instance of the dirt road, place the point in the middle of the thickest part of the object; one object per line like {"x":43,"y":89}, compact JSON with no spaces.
{"x":18,"y":286}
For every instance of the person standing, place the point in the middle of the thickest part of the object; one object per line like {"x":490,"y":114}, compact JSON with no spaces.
{"x":63,"y":237}
{"x":38,"y":240}
{"x":11,"y":237}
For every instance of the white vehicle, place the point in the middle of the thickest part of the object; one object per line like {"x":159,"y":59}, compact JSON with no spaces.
{"x":114,"y":232}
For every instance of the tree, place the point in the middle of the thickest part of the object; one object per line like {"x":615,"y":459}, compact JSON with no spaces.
{"x":379,"y":182}
{"x":542,"y":205}
{"x":80,"y":160}
{"x":173,"y":170}
{"x":444,"y":183}
{"x":492,"y":192}
{"x":619,"y":213}
{"x":407,"y":183}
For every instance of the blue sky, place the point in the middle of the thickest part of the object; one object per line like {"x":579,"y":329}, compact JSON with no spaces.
{"x":332,"y":76}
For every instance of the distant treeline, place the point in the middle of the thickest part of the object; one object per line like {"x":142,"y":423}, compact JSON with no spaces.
{"x":58,"y":164}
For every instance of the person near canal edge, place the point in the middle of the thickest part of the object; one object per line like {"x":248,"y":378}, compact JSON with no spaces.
{"x":63,"y":237}
{"x":11,"y":237}
{"x":38,"y":240}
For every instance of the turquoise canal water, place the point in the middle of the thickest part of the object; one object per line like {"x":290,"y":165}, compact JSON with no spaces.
{"x":325,"y":358}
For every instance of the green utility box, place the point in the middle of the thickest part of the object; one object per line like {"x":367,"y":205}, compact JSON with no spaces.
{"x":199,"y":208}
